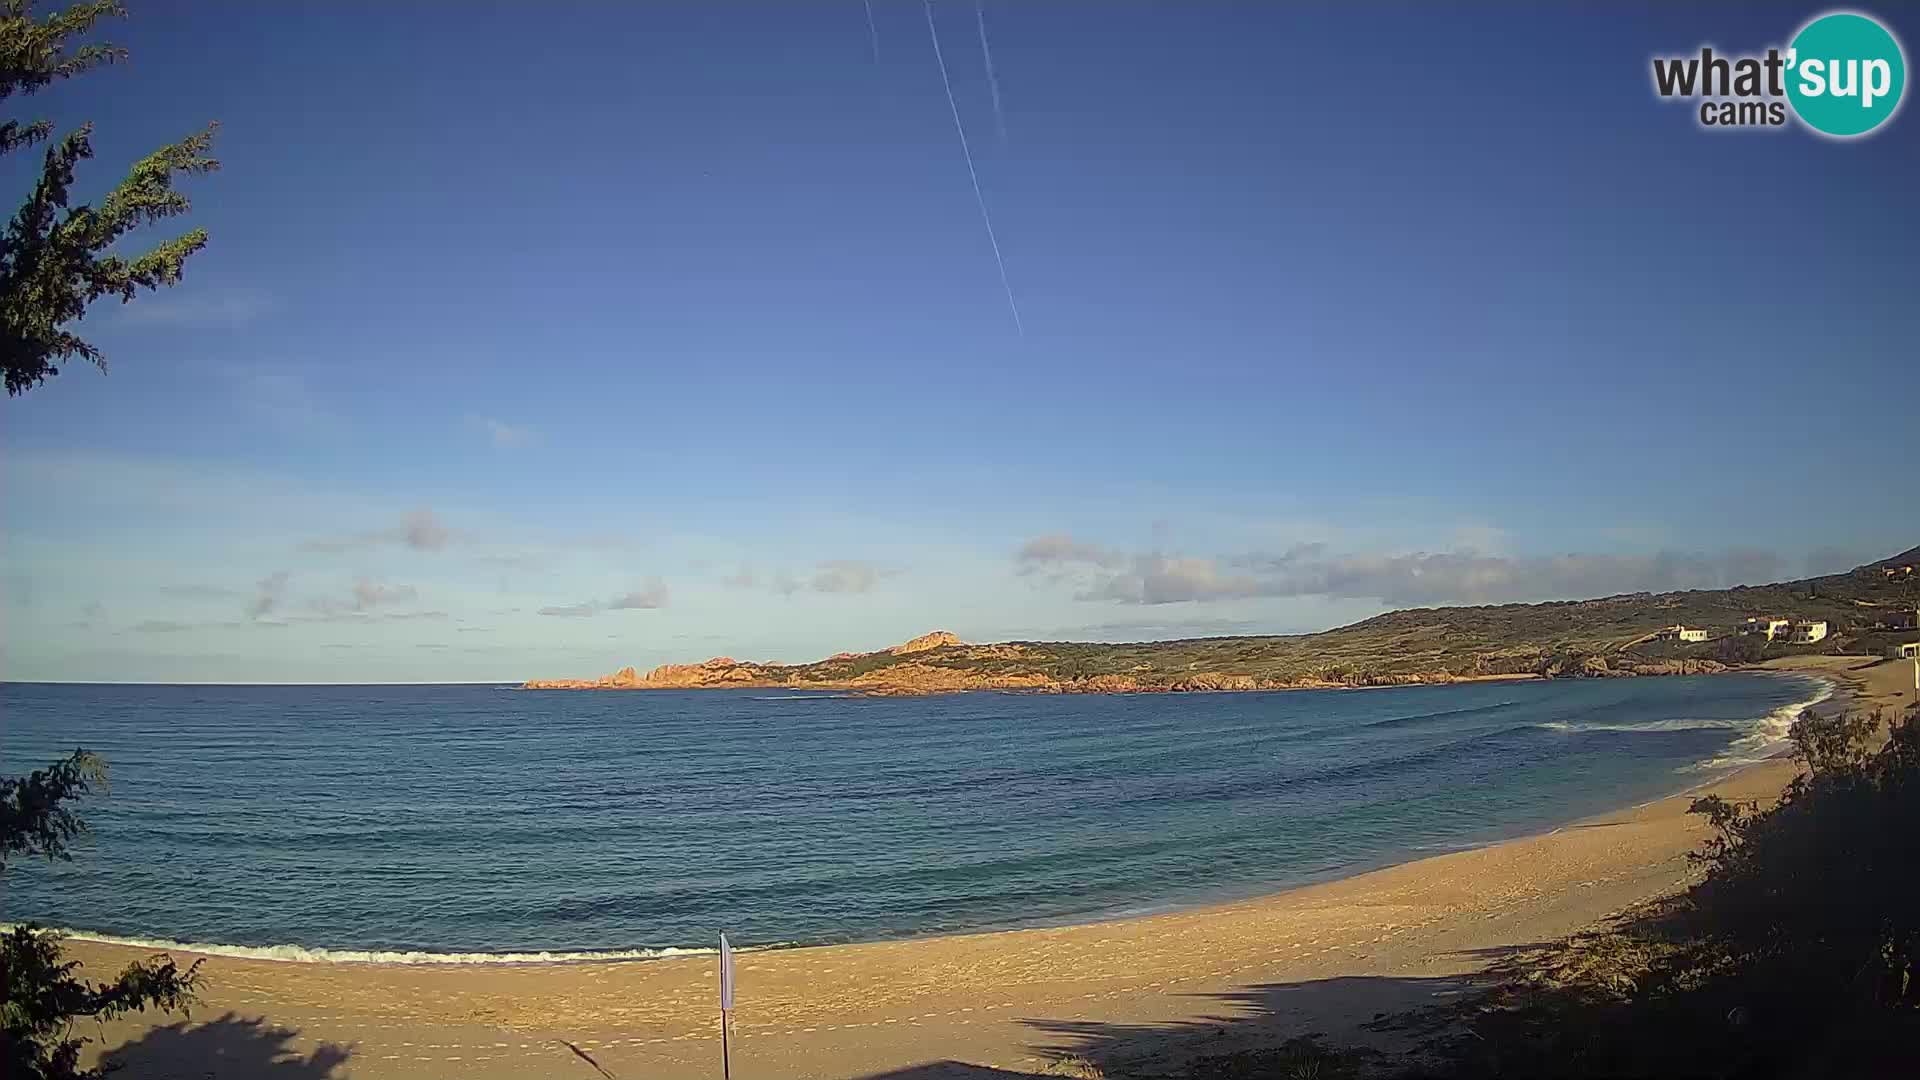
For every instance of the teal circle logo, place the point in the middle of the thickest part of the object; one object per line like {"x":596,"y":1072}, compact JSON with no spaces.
{"x":1845,"y":74}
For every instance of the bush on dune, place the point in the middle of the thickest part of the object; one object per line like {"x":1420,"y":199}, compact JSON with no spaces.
{"x":1796,"y":955}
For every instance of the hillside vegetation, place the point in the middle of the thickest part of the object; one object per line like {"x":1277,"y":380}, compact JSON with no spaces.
{"x":1568,"y":638}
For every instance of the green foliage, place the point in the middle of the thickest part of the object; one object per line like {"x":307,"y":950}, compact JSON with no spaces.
{"x":56,"y":259}
{"x":1824,"y":886}
{"x":1795,"y":955}
{"x":34,"y":818}
{"x":43,"y":994}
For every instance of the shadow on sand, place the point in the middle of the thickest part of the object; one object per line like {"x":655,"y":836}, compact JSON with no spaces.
{"x":230,"y":1047}
{"x":1259,"y":1030}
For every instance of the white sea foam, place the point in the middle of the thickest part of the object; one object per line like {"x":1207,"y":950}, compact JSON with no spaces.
{"x":1767,"y":736}
{"x":1761,"y":738}
{"x":1650,"y":725}
{"x":300,"y":954}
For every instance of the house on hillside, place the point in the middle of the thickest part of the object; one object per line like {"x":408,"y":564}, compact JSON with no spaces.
{"x":1898,"y":572}
{"x":1766,"y":626}
{"x":1907,"y":651}
{"x":1682,"y":633}
{"x":1810,"y":631}
{"x":1904,"y":619}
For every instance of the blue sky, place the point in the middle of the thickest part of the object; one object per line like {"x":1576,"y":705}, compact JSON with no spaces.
{"x":538,"y":343}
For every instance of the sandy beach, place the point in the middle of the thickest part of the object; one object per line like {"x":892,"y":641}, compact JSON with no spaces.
{"x":1143,"y":991}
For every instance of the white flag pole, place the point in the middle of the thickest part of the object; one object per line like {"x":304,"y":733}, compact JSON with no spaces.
{"x":726,"y":1003}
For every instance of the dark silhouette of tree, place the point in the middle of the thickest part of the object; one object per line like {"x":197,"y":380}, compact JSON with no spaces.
{"x":56,"y":259}
{"x":43,"y":995}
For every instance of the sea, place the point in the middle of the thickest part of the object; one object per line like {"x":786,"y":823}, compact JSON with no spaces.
{"x":488,"y":824}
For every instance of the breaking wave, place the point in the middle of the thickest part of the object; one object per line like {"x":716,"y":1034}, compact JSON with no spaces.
{"x":1763,"y":737}
{"x":1767,"y":736}
{"x":300,"y":954}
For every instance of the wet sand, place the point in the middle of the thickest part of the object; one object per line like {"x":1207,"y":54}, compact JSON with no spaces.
{"x":1151,"y":990}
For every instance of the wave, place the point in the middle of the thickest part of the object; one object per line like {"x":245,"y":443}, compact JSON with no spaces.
{"x":1767,"y":736}
{"x":1650,"y":725}
{"x":1761,"y":738}
{"x":300,"y":954}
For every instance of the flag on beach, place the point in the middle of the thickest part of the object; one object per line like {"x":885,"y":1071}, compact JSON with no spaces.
{"x":726,"y":974}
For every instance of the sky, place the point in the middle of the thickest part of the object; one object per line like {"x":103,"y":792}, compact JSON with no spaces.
{"x":538,"y":341}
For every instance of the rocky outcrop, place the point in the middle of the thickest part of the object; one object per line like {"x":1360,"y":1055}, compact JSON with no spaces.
{"x":939,"y":639}
{"x":719,"y":671}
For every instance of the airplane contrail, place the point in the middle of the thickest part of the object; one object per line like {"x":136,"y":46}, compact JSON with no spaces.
{"x":993,"y":81}
{"x":972,"y":173}
{"x":873,"y":33}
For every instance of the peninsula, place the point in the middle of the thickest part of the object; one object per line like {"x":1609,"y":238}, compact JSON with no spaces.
{"x":1636,"y":634}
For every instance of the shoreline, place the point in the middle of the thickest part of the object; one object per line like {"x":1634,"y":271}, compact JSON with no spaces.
{"x":1379,"y":941}
{"x":300,"y":953}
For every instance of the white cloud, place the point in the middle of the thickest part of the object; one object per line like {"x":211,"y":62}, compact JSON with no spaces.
{"x":1418,"y":579}
{"x":653,"y":595}
{"x":847,"y":576}
{"x":649,"y":597}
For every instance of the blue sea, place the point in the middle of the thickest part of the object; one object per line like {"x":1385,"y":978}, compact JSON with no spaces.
{"x":487,"y":823}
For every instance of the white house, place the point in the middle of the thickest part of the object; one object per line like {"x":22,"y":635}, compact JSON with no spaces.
{"x":1682,"y":633}
{"x":1806,"y":633}
{"x":1909,"y":651}
{"x":1770,"y":627}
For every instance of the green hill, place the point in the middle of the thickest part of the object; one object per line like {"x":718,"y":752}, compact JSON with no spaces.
{"x":1547,"y":638}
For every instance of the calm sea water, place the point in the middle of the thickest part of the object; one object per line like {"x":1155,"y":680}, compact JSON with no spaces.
{"x":486,"y":820}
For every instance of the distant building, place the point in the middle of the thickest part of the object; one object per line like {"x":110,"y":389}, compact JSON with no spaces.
{"x":1806,"y":633}
{"x":1766,"y":627}
{"x":1908,"y":651}
{"x":1906,"y":619}
{"x":1682,"y":633}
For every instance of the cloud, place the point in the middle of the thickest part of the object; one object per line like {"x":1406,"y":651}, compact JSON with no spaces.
{"x":1158,"y":629}
{"x":503,"y":435}
{"x":267,"y":594}
{"x":421,"y":530}
{"x":846,"y":576}
{"x":1164,"y":579}
{"x":1056,"y":549}
{"x":650,"y":597}
{"x":654,"y":595}
{"x":371,"y":594}
{"x":362,"y":599}
{"x":1465,"y":577}
{"x":1409,"y":580}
